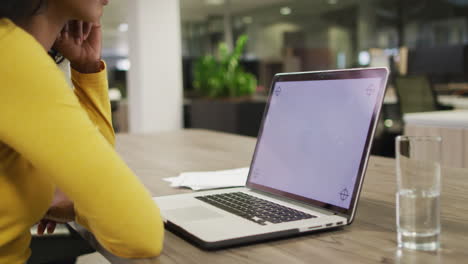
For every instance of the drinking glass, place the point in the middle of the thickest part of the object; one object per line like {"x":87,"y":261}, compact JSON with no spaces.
{"x":418,"y":191}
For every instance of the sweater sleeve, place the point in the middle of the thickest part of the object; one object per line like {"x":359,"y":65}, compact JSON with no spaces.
{"x":92,"y":93}
{"x":43,"y":121}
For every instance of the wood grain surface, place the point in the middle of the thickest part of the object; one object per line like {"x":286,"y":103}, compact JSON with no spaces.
{"x":370,"y":239}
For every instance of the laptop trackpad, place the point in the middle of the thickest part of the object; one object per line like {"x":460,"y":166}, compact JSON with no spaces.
{"x":193,"y":213}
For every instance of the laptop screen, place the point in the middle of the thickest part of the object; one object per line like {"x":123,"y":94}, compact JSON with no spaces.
{"x":314,"y":138}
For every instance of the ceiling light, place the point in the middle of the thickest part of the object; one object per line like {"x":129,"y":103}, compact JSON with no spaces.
{"x":214,"y":2}
{"x":364,"y":58}
{"x":247,"y":20}
{"x":123,"y":27}
{"x":285,"y":11}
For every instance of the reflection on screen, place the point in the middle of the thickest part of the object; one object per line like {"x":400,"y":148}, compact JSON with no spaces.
{"x":314,"y":136}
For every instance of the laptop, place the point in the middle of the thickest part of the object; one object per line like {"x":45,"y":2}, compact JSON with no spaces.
{"x":307,"y":169}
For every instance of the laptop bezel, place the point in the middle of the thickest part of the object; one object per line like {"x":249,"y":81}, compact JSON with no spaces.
{"x":381,"y":73}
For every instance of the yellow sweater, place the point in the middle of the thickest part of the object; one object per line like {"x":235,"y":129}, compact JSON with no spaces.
{"x":51,"y":136}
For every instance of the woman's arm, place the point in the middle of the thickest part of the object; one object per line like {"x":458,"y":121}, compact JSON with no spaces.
{"x":91,"y":88}
{"x":43,"y":121}
{"x":92,"y":93}
{"x":81,"y":42}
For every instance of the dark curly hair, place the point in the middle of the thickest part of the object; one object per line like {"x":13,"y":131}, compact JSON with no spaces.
{"x":18,"y":10}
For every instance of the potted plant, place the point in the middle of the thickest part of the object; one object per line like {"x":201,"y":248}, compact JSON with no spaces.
{"x":225,"y":91}
{"x":224,"y":77}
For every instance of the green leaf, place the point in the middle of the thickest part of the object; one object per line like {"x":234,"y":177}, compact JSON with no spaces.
{"x":224,"y":76}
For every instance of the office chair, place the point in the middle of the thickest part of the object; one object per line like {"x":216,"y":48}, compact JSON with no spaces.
{"x":415,"y":94}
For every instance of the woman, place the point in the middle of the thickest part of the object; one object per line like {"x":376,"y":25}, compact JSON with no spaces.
{"x":54,"y":138}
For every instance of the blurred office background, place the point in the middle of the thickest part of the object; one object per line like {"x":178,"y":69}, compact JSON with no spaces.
{"x":151,"y":48}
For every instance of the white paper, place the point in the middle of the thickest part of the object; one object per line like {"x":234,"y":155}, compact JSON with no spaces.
{"x":203,"y":180}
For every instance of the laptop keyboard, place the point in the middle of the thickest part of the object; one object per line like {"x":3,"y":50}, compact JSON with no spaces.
{"x":254,"y":209}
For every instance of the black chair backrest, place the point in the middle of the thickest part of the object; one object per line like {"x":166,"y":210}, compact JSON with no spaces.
{"x":415,"y":94}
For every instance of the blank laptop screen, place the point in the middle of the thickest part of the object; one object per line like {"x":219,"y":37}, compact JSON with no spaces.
{"x":313,"y":138}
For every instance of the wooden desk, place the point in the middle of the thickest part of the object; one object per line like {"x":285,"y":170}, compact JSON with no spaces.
{"x":370,"y":239}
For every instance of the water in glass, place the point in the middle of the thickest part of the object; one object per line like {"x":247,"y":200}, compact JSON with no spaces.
{"x":418,"y":219}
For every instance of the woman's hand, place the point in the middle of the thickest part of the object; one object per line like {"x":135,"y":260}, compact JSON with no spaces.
{"x":80,"y":42}
{"x":61,"y":211}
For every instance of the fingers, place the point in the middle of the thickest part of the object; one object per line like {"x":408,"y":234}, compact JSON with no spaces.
{"x":73,"y":31}
{"x":78,"y":32}
{"x":46,"y":225}
{"x":63,"y":35}
{"x":95,"y":36}
{"x":80,"y":41}
{"x":41,"y":226}
{"x":51,"y":227}
{"x":65,"y":32}
{"x":87,"y":28}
